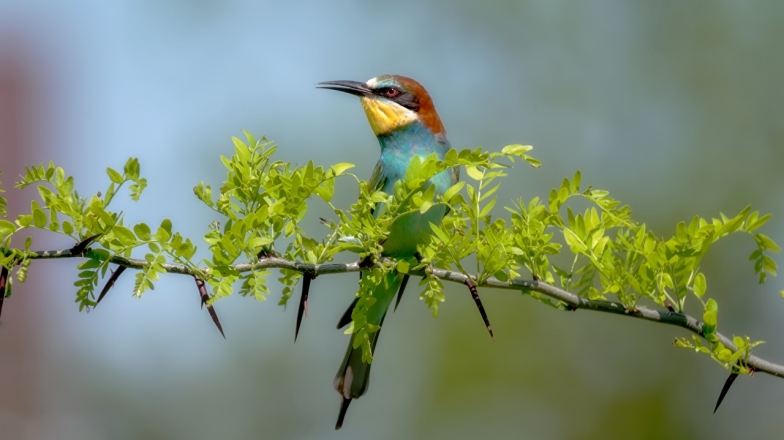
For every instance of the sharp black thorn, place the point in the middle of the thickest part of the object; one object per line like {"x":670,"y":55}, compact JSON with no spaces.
{"x":475,"y":295}
{"x":303,"y":302}
{"x":366,"y":262}
{"x":3,"y":283}
{"x":266,"y":253}
{"x":344,"y":403}
{"x":80,"y":247}
{"x":204,"y":297}
{"x":214,"y":316}
{"x":346,"y":318}
{"x":110,"y":283}
{"x":401,"y":290}
{"x":727,"y":384}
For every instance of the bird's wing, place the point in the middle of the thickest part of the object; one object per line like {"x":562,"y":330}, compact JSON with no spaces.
{"x":377,"y":179}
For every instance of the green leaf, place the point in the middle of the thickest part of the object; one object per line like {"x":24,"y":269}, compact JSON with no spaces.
{"x":24,"y":220}
{"x":414,"y":169}
{"x":700,"y":285}
{"x":766,"y":243}
{"x":574,"y":241}
{"x":89,"y":264}
{"x":487,"y":208}
{"x":516,"y":150}
{"x":166,"y":225}
{"x":756,"y":224}
{"x":6,"y":227}
{"x":39,"y":218}
{"x":241,"y":150}
{"x":454,"y":189}
{"x":709,"y":318}
{"x":114,"y":176}
{"x":439,"y":233}
{"x":142,"y":231}
{"x":531,"y":161}
{"x":575,"y":186}
{"x":326,"y":190}
{"x":257,"y":242}
{"x":121,"y":232}
{"x":474,"y":172}
{"x":340,"y":168}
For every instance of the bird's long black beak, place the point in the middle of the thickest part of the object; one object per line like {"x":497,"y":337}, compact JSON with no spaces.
{"x":352,"y":87}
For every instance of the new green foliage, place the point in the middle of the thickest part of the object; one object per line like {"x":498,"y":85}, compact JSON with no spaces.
{"x":601,"y":252}
{"x":262,"y":201}
{"x":3,"y":204}
{"x":63,"y":210}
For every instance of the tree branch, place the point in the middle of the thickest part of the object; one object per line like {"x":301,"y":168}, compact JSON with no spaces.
{"x":571,"y":300}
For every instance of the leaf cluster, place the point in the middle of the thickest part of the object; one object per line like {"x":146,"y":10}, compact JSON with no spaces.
{"x":599,"y":252}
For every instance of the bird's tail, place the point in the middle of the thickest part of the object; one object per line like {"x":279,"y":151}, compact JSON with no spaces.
{"x":352,"y":378}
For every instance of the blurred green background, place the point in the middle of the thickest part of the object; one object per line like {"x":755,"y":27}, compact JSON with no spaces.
{"x":674,"y":107}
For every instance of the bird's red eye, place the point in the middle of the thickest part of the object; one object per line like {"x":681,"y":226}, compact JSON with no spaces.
{"x":391,"y":92}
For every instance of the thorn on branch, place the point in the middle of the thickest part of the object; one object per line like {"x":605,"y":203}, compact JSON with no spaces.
{"x":3,"y":283}
{"x":266,"y":253}
{"x":401,"y":290}
{"x":110,"y":283}
{"x":727,"y":384}
{"x":669,"y":306}
{"x":475,"y":294}
{"x":303,"y":301}
{"x":81,"y":247}
{"x":346,"y":318}
{"x":366,"y":262}
{"x":204,"y":297}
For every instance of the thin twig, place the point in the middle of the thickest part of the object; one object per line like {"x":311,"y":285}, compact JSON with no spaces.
{"x":571,"y":300}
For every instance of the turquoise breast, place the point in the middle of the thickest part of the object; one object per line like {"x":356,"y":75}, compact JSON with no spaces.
{"x":397,"y":150}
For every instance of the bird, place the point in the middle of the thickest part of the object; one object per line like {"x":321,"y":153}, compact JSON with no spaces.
{"x":403,"y":118}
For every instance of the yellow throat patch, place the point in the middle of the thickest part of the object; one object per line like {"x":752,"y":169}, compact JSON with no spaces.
{"x":385,"y":116}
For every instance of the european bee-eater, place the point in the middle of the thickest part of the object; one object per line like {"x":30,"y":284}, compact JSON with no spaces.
{"x":406,"y":124}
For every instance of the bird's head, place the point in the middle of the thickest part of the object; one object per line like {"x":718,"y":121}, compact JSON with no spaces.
{"x":391,"y":102}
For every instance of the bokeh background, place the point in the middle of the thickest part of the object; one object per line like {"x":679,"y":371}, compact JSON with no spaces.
{"x":674,"y":107}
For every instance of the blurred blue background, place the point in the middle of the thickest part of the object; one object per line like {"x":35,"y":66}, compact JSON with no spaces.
{"x":674,"y":107}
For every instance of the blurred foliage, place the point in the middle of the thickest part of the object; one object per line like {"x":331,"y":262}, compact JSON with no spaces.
{"x":264,"y":200}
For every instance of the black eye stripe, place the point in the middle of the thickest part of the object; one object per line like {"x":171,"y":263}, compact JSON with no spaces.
{"x":404,"y":98}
